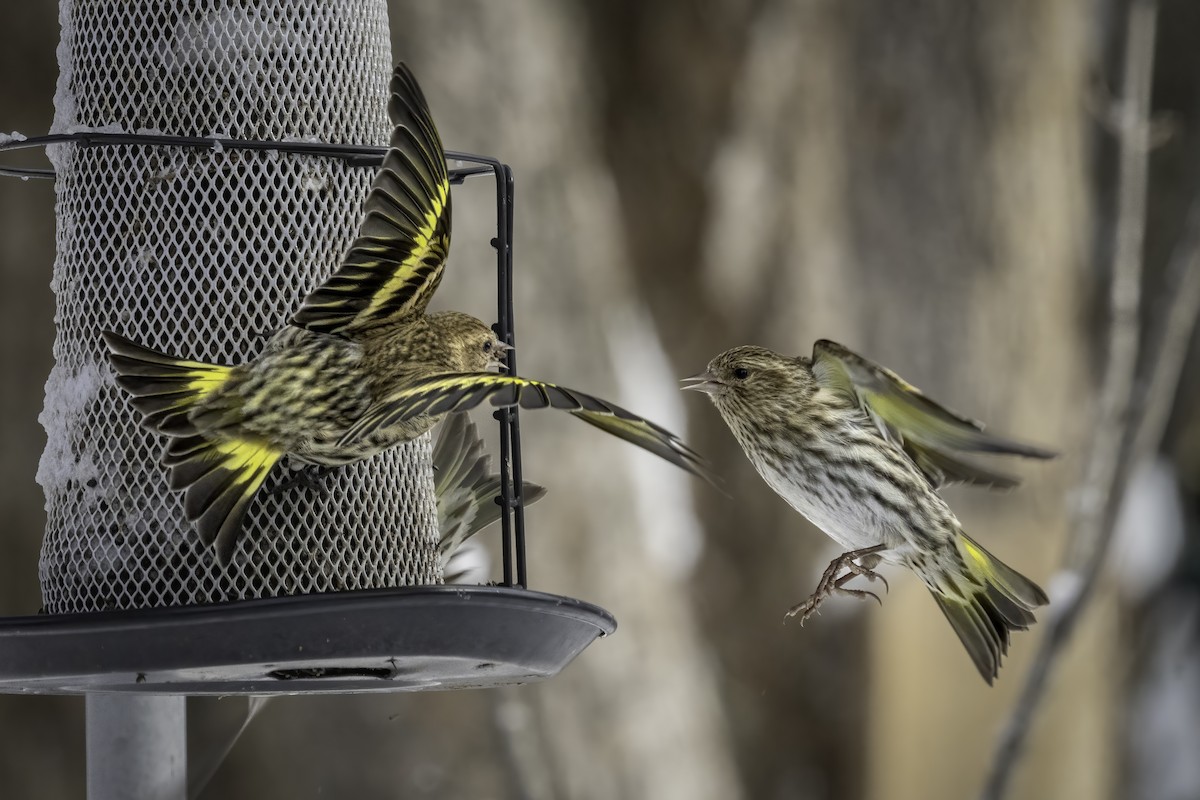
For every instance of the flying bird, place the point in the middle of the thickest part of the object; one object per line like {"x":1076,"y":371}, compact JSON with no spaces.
{"x":360,"y":367}
{"x":861,"y":454}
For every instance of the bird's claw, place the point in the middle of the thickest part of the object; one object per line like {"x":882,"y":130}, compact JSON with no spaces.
{"x":840,"y":571}
{"x":861,"y":594}
{"x":859,"y":570}
{"x":805,"y":609}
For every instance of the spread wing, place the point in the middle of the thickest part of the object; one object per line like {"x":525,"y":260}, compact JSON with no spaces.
{"x":444,"y":393}
{"x":395,"y":264}
{"x":933,"y":436}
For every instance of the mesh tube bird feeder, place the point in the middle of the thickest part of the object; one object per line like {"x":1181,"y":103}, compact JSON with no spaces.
{"x":211,"y":162}
{"x":204,"y":252}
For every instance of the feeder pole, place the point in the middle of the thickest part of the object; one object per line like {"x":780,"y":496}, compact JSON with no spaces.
{"x":136,"y":747}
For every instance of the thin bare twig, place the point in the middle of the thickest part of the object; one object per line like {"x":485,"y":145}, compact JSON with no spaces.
{"x":1175,"y":315}
{"x":532,"y":774}
{"x":211,"y":761}
{"x":1108,"y":465}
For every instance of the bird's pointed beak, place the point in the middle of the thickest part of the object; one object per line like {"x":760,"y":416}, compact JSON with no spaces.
{"x":702,"y":382}
{"x":499,"y":355}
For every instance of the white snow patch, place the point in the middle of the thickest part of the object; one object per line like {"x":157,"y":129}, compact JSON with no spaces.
{"x":9,"y":138}
{"x":68,"y":395}
{"x":469,"y":565}
{"x":315,"y":183}
{"x":1150,"y":529}
{"x":216,"y":136}
{"x":168,"y":171}
{"x":143,"y":260}
{"x":1065,"y":585}
{"x":662,"y":493}
{"x":65,"y":108}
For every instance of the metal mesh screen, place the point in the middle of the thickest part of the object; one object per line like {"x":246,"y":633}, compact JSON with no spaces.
{"x":203,"y":254}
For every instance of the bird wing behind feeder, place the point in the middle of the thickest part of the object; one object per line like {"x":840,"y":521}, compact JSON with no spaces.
{"x":465,"y":487}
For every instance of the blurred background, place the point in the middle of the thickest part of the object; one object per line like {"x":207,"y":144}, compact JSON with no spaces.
{"x":931,"y":183}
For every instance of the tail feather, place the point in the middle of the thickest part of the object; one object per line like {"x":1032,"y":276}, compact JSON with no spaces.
{"x":218,"y":475}
{"x":219,"y":478}
{"x":1013,"y":584}
{"x":165,"y":389}
{"x":986,"y":604}
{"x":985,"y":641}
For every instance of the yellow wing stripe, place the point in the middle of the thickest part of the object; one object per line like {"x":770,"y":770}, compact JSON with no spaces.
{"x":982,"y":564}
{"x":395,"y":263}
{"x":207,"y":379}
{"x":401,"y":277}
{"x":244,"y":457}
{"x":442,"y":394}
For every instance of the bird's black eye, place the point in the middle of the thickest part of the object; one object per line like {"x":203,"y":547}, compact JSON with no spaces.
{"x":487,"y":347}
{"x":741,"y":373}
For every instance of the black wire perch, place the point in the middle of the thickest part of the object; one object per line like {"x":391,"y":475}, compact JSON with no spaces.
{"x":378,"y":640}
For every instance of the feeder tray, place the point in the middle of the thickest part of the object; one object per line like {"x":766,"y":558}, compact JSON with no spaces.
{"x":378,"y":640}
{"x":422,"y":637}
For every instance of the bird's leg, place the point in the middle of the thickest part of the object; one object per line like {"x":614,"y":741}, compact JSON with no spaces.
{"x":309,"y":476}
{"x":833,"y":580}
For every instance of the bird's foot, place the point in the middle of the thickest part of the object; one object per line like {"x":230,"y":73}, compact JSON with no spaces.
{"x":309,"y":476}
{"x":840,"y":571}
{"x":855,"y":569}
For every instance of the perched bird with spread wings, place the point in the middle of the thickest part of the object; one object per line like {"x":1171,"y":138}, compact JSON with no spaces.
{"x":860,"y":453}
{"x":361,"y":367}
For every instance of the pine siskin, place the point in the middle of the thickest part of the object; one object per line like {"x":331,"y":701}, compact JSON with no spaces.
{"x":860,"y":453}
{"x":361,"y":366}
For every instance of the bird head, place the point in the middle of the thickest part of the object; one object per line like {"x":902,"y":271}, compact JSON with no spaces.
{"x":474,"y":347}
{"x":750,"y":375}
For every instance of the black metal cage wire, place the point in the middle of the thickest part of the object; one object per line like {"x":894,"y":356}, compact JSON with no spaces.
{"x":512,"y":516}
{"x":497,"y":641}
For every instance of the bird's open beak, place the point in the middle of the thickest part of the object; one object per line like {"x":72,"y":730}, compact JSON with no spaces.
{"x":703,"y":382}
{"x":499,"y":350}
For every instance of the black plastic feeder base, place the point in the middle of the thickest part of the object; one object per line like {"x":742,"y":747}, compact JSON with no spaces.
{"x":423,"y":637}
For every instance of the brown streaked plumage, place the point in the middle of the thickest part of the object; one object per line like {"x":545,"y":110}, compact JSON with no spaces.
{"x":361,"y":367}
{"x":860,"y":453}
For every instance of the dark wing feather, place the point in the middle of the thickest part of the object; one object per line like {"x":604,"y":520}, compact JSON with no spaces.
{"x":465,"y":486}
{"x":450,"y":392}
{"x":396,"y":263}
{"x":933,"y":436}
